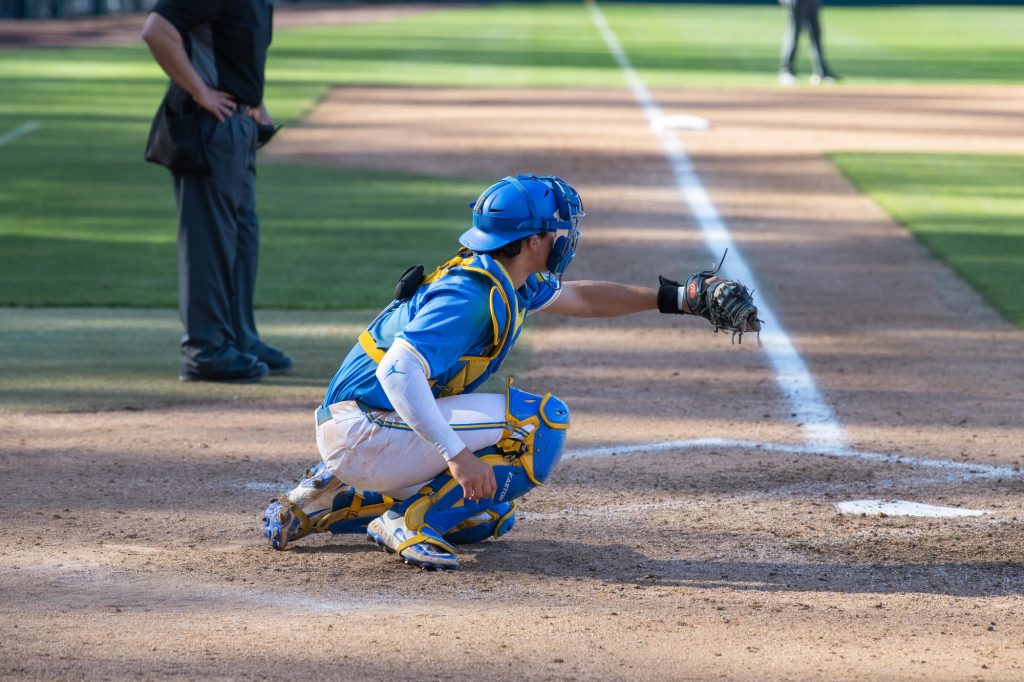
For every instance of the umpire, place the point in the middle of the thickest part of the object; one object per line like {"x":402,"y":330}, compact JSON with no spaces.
{"x":213,"y":114}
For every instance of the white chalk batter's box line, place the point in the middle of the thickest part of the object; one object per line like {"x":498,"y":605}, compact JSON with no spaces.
{"x":823,"y":432}
{"x":950,"y":471}
{"x":958,"y":471}
{"x":792,"y":375}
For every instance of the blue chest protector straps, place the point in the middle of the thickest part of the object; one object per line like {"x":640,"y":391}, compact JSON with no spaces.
{"x":506,"y":323}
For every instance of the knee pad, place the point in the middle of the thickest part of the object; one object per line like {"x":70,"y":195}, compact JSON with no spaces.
{"x":534,"y":432}
{"x":530,"y":447}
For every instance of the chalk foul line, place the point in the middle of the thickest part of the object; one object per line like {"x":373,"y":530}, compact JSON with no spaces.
{"x":791,"y":373}
{"x":14,"y":134}
{"x":960,"y":470}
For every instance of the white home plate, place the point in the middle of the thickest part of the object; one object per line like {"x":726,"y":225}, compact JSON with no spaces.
{"x":681,"y":122}
{"x":901,"y":508}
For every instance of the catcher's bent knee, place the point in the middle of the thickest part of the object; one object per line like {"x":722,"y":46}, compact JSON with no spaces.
{"x":535,"y":432}
{"x":531,"y":445}
{"x":530,"y":448}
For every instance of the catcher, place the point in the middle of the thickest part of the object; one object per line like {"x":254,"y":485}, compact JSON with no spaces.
{"x":411,"y":455}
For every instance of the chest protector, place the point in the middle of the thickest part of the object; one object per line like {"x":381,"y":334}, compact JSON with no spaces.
{"x":471,"y":370}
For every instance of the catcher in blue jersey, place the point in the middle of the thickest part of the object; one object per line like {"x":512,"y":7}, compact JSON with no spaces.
{"x":415,"y":458}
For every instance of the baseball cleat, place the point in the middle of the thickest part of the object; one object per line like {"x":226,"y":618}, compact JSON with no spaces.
{"x":279,"y":522}
{"x":422,"y":548}
{"x":320,"y":503}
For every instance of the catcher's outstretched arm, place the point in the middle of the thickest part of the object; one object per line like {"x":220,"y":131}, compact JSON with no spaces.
{"x":587,"y":298}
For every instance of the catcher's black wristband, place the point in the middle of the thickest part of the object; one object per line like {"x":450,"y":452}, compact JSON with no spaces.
{"x":668,"y":296}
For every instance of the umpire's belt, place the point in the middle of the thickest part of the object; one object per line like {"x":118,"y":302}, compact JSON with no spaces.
{"x":323,"y":415}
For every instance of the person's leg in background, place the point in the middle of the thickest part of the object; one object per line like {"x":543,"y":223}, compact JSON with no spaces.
{"x":244,"y":277}
{"x":208,"y":242}
{"x":822,"y":73}
{"x":790,"y":43}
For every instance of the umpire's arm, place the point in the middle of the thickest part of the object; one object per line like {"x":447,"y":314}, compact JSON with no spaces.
{"x":588,"y":298}
{"x":168,"y":50}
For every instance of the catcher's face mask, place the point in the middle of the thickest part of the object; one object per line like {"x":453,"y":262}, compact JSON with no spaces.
{"x":523,"y":205}
{"x":562,"y":252}
{"x":567,"y":230}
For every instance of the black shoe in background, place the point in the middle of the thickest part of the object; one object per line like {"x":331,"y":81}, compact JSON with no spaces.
{"x":244,"y":369}
{"x":275,"y":359}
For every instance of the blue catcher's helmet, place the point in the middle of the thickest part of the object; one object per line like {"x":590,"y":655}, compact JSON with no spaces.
{"x":520,"y":206}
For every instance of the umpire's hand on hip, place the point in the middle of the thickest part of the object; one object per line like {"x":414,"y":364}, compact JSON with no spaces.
{"x":220,"y":104}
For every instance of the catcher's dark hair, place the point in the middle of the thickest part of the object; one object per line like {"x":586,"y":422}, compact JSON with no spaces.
{"x":510,"y":250}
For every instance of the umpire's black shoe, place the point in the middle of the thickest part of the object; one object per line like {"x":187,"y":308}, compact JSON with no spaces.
{"x":277,"y":360}
{"x":245,"y":369}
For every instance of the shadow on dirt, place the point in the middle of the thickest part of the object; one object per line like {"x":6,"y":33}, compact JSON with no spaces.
{"x":618,"y":564}
{"x":621,"y":565}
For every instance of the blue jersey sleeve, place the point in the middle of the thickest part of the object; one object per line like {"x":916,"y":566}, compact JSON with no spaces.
{"x":453,"y":321}
{"x":540,"y":293}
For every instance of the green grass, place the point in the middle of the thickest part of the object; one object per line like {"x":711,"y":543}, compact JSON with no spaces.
{"x":330,"y":238}
{"x":128,"y":358}
{"x":968,"y":209}
{"x":85,"y":222}
{"x":72,"y":360}
{"x":707,"y":45}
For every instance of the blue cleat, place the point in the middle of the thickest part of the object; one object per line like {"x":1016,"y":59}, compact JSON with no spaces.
{"x":424,"y":548}
{"x":320,"y":503}
{"x":278,"y":521}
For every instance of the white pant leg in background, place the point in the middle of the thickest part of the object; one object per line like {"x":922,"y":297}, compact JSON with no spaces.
{"x":378,"y":451}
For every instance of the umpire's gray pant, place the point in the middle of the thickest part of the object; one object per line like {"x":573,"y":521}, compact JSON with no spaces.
{"x":218,"y":244}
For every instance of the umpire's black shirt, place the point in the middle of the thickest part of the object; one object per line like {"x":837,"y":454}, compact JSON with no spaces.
{"x":227,"y":41}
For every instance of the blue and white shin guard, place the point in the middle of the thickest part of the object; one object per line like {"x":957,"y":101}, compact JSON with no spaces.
{"x":421,"y":529}
{"x":318,"y":504}
{"x":492,"y":522}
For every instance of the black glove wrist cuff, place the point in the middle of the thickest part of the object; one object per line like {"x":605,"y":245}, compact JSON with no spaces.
{"x":668,"y":297}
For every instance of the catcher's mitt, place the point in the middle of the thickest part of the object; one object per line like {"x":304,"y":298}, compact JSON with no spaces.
{"x":725,"y":303}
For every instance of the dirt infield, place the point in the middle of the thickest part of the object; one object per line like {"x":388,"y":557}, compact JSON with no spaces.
{"x":132,"y":546}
